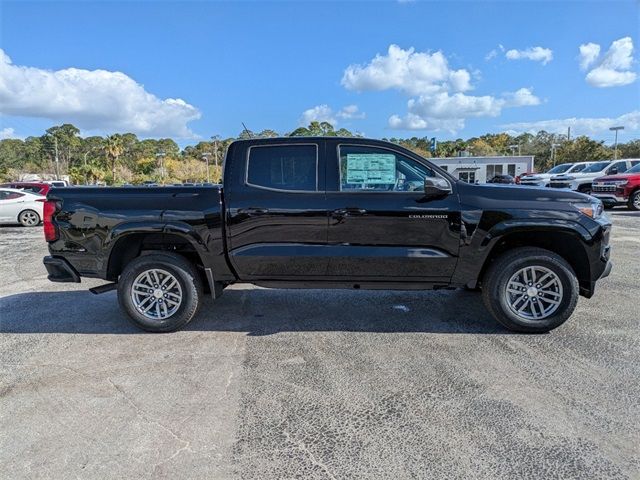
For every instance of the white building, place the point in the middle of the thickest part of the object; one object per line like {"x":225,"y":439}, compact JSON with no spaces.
{"x":481,"y":169}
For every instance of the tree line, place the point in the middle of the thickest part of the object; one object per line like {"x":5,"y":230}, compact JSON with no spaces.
{"x":124,"y":158}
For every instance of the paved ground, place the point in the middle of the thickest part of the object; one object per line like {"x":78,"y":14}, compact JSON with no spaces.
{"x":303,"y":384}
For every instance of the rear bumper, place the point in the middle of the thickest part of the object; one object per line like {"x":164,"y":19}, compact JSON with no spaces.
{"x":60,"y":270}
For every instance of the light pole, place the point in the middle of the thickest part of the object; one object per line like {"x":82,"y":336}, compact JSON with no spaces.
{"x":160,"y":155}
{"x":206,"y":156}
{"x":215,"y":139}
{"x":553,"y":152}
{"x":513,"y":149}
{"x":615,"y":148}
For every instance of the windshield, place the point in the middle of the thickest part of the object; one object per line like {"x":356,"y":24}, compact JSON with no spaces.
{"x":596,"y":167}
{"x":560,"y":168}
{"x":579,"y":168}
{"x":635,"y":169}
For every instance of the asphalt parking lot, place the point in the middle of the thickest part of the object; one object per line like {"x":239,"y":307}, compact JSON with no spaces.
{"x":270,"y":384}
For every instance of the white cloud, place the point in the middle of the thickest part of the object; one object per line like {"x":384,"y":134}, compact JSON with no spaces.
{"x":614,"y":68}
{"x":521,"y":98}
{"x":8,"y":132}
{"x":439,"y":100}
{"x":579,"y":126}
{"x":409,"y":71}
{"x":351,"y":112}
{"x":588,"y":54}
{"x":319,"y":113}
{"x":494,"y":53}
{"x":92,"y":99}
{"x":537,"y":54}
{"x":448,"y":112}
{"x":324,"y":113}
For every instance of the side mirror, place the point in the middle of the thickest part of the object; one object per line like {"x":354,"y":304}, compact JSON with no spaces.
{"x":435,"y":187}
{"x":613,"y":171}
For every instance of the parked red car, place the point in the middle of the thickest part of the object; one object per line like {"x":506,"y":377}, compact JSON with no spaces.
{"x":620,"y":189}
{"x":32,"y":187}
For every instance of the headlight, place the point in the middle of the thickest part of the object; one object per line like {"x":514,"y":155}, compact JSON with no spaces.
{"x":569,"y":178}
{"x":591,"y":209}
{"x":620,"y":183}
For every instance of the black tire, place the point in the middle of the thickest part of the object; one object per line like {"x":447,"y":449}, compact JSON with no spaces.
{"x":586,"y":189}
{"x":496,"y":298}
{"x":634,"y":201}
{"x":29,"y":218}
{"x":179,"y":268}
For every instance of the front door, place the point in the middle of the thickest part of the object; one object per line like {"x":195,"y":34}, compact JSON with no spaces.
{"x":381,"y":226}
{"x":277,"y":214}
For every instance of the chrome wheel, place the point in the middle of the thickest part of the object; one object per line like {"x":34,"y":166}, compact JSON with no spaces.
{"x":29,"y":218}
{"x":636,"y":200}
{"x":534,"y":293}
{"x":156,"y":294}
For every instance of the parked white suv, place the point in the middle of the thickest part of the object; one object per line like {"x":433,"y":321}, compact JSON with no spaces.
{"x":542,"y":179}
{"x":581,"y":181}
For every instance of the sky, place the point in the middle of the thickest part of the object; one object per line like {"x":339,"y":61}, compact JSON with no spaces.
{"x":190,"y":70}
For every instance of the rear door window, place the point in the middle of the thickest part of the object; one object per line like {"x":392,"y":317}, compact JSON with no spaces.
{"x":283,"y":167}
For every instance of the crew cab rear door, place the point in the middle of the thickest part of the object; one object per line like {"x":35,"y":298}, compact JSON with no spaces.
{"x":381,"y":225}
{"x":276,"y":209}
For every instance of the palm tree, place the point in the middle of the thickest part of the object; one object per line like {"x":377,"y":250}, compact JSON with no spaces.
{"x":114,"y":148}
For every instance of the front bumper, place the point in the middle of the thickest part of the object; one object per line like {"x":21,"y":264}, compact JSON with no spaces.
{"x":609,"y":198}
{"x":559,"y":185}
{"x":60,"y":270}
{"x":607,"y":270}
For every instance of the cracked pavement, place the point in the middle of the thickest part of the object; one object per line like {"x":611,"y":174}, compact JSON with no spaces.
{"x":270,"y":384}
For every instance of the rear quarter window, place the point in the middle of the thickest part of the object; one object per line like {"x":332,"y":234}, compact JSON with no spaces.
{"x":283,"y":167}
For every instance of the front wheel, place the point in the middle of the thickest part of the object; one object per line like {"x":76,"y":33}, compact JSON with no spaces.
{"x":530,"y":290}
{"x":634,"y":200}
{"x":29,"y":218}
{"x":160,"y":292}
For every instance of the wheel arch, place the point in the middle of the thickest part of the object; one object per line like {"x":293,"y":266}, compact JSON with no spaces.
{"x":566,"y":243}
{"x":133,"y":244}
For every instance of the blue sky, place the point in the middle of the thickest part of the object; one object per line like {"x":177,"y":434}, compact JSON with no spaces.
{"x":194,"y":69}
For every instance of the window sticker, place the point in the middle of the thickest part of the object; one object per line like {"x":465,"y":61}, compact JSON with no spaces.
{"x":371,"y":168}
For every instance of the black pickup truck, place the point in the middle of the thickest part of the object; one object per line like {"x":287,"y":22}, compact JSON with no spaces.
{"x":330,"y":213}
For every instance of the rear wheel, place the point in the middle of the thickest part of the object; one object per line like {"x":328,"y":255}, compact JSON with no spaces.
{"x":530,"y":290}
{"x":29,"y":218}
{"x":634,"y":200}
{"x":160,"y":292}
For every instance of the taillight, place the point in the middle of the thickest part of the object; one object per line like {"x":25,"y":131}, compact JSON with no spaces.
{"x":50,"y":229}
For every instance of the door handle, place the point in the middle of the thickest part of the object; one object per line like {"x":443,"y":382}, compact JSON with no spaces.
{"x":253,"y":211}
{"x":349,"y":212}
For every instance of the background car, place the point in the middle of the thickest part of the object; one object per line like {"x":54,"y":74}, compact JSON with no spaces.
{"x":19,"y":206}
{"x":582,"y":181}
{"x":502,"y":179}
{"x":542,"y":179}
{"x":32,"y":187}
{"x":620,"y":189}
